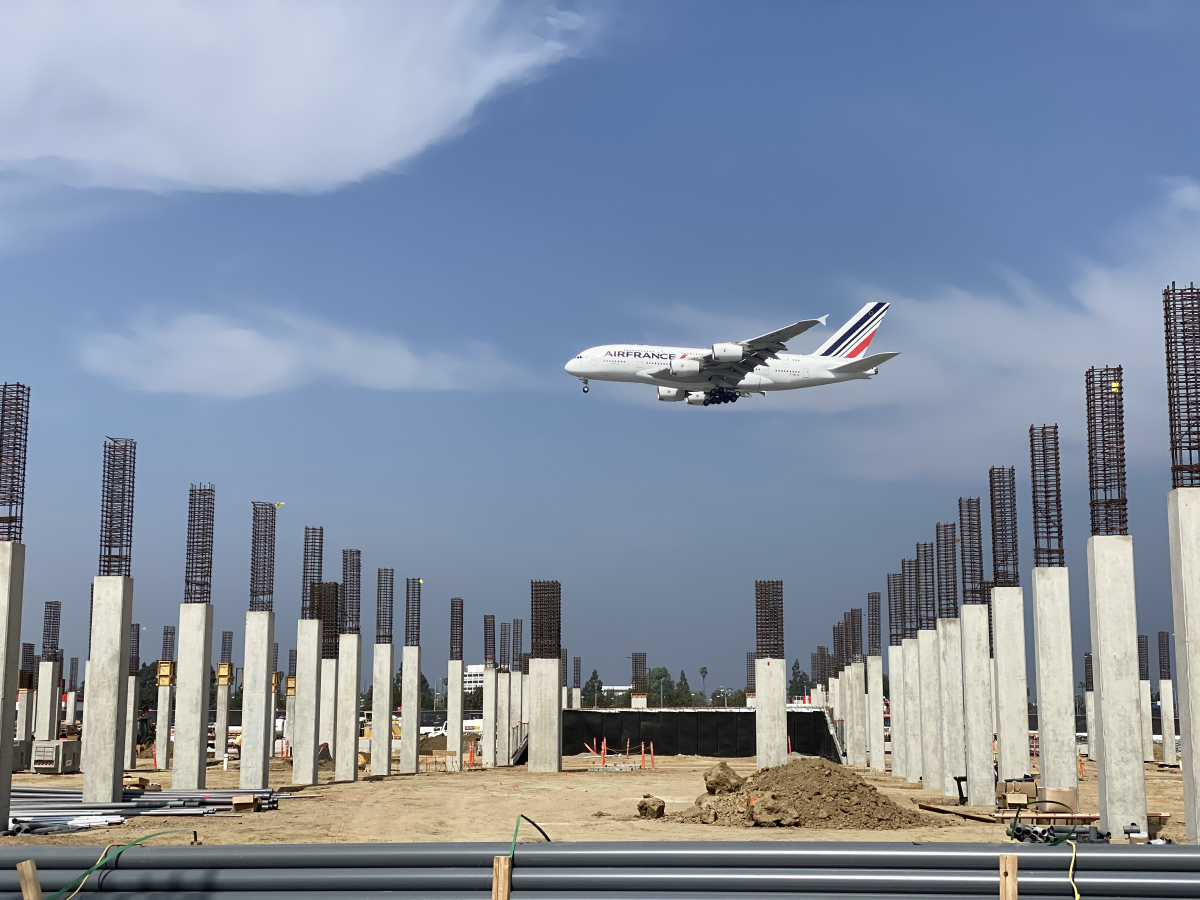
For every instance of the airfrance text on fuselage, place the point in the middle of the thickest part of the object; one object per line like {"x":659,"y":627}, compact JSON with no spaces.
{"x":640,"y":354}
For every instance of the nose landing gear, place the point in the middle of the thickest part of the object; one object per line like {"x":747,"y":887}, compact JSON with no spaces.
{"x":585,"y":385}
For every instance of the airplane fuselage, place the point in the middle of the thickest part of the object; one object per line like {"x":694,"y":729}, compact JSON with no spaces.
{"x":646,"y":364}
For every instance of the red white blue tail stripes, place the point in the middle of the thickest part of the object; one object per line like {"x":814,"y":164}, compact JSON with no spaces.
{"x":854,"y":337}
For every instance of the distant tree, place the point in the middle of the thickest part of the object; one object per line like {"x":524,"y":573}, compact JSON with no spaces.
{"x":659,"y":686}
{"x":703,"y":675}
{"x":683,"y":692}
{"x":798,"y":686}
{"x":426,"y":692}
{"x":473,"y":699}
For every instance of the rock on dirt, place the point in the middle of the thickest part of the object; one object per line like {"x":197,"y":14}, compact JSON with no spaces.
{"x":721,"y":779}
{"x":651,"y":807}
{"x":805,"y":793}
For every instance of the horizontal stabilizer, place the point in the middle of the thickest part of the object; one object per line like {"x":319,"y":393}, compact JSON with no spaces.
{"x":865,"y":364}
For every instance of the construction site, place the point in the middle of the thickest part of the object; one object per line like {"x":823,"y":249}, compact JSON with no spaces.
{"x":932,"y":751}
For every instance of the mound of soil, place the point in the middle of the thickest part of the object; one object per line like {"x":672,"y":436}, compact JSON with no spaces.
{"x":805,"y":793}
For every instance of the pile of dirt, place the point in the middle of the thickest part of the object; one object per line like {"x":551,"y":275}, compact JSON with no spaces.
{"x":805,"y":793}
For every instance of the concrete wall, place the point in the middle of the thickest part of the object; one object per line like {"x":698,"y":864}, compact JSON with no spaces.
{"x":545,"y":716}
{"x":1012,"y":699}
{"x":931,"y":710}
{"x":977,"y":704}
{"x":1055,"y":678}
{"x":1166,"y":708}
{"x":383,"y":669}
{"x":1113,"y":610}
{"x":896,"y":701}
{"x":329,"y":694}
{"x":306,"y":731}
{"x":487,"y":736}
{"x":954,"y":754}
{"x":12,"y":589}
{"x":770,"y":715}
{"x":875,"y":732}
{"x":912,"y":710}
{"x":107,"y":689}
{"x":454,"y":715}
{"x":349,"y":678}
{"x":1183,"y":530}
{"x":1147,"y":722}
{"x":258,"y":702}
{"x":410,"y":709}
{"x":194,"y":674}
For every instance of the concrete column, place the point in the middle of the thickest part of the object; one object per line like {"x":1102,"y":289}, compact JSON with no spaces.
{"x":1089,"y":708}
{"x":48,"y":717}
{"x":1055,"y":678}
{"x":896,"y":706}
{"x":410,"y":709}
{"x":349,"y":676}
{"x":875,"y":711}
{"x":382,"y":672}
{"x":1183,"y":529}
{"x":454,"y":716}
{"x":107,"y":689}
{"x":487,"y":734}
{"x":72,"y":711}
{"x":1147,"y":723}
{"x":131,"y":711}
{"x":306,"y":731}
{"x":1012,"y":696}
{"x":856,"y":709}
{"x":1166,"y":713}
{"x":566,"y":697}
{"x":912,"y":710}
{"x":545,"y":716}
{"x":834,"y":699}
{"x":977,"y":704}
{"x":194,"y":675}
{"x":289,"y":722}
{"x":515,"y":699}
{"x":770,"y":713}
{"x":931,"y":711}
{"x":576,"y":698}
{"x":12,"y":586}
{"x":954,"y":758}
{"x":258,"y":702}
{"x":163,"y":746}
{"x":329,"y":693}
{"x":221,"y":726}
{"x":503,"y":718}
{"x":26,"y":702}
{"x":1113,"y":609}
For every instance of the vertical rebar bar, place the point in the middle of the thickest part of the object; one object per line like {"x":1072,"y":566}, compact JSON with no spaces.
{"x":385,"y":604}
{"x":1181,"y":314}
{"x":1106,"y":450}
{"x":412,"y":612}
{"x":456,"y":628}
{"x":1002,"y":482}
{"x":1046,"y":480}
{"x":546,"y":612}
{"x":116,"y":506}
{"x":946,"y":538}
{"x":197,"y":574}
{"x":768,"y":619}
{"x":985,"y":593}
{"x":14,"y":445}
{"x":970,"y":530}
{"x":352,"y":591}
{"x":873,"y":624}
{"x":314,"y":568}
{"x":262,"y":556}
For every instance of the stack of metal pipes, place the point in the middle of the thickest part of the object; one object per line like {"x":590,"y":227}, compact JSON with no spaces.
{"x":33,"y":809}
{"x":714,"y":871}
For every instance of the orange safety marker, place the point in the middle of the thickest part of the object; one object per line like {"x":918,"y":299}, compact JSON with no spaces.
{"x":603,"y":752}
{"x":627,"y":748}
{"x":643,"y":754}
{"x":652,"y":754}
{"x":789,"y":745}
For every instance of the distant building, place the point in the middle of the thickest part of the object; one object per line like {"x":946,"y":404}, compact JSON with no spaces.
{"x":473,"y":677}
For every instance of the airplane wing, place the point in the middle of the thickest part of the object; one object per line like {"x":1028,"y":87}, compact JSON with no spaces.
{"x":776,"y":340}
{"x":865,"y":364}
{"x":757,"y":351}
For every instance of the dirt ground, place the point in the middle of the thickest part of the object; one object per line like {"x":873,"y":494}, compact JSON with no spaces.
{"x":578,"y":805}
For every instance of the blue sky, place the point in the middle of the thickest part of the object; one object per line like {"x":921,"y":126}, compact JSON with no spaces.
{"x":338,"y":258}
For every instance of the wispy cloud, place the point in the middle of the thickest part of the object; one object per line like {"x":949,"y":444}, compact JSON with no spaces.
{"x":220,"y":357}
{"x":265,"y":96}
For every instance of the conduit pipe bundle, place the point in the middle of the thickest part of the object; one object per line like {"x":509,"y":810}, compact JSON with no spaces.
{"x":714,"y":871}
{"x":52,"y":808}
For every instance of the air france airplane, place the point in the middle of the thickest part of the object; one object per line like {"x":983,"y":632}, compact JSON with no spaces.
{"x":725,"y":372}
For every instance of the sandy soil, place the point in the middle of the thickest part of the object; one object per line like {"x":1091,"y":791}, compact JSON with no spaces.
{"x":578,"y":805}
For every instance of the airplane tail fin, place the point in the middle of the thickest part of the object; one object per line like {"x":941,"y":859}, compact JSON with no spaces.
{"x":853,"y":338}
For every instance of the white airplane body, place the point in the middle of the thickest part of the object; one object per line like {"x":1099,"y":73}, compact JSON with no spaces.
{"x":724,"y":372}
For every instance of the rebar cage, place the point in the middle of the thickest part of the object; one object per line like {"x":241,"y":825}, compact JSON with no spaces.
{"x":325,"y":600}
{"x":51,"y":624}
{"x":1087,"y":672}
{"x":168,"y":644}
{"x":578,"y":673}
{"x":262,"y":556}
{"x":873,"y":623}
{"x":970,"y":530}
{"x":385,"y":604}
{"x":226,"y":646}
{"x":1164,"y":656}
{"x":1106,"y":450}
{"x":1002,"y":482}
{"x":562,"y":668}
{"x":1181,"y":315}
{"x":518,"y":641}
{"x":116,"y":506}
{"x":751,"y":673}
{"x":352,"y":591}
{"x":852,"y":622}
{"x":274,"y":656}
{"x":926,"y":586}
{"x":638,"y":681}
{"x":135,"y":649}
{"x":946,"y":539}
{"x":768,"y":619}
{"x":1046,"y":480}
{"x":456,"y":628}
{"x":505,"y":660}
{"x":839,"y":648}
{"x":895,"y":589}
{"x":197,"y":575}
{"x":489,"y":641}
{"x":292,"y":663}
{"x":14,"y":444}
{"x":314,"y":553}
{"x":1143,"y":657}
{"x":412,"y":612}
{"x":73,"y":681}
{"x":546,"y":612}
{"x":912,"y":605}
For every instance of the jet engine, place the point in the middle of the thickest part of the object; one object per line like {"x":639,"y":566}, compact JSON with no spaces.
{"x":666,"y":393}
{"x":727,"y":352}
{"x":685,"y":367}
{"x":697,"y":398}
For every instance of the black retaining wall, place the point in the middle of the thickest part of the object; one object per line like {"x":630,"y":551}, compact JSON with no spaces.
{"x":689,"y":732}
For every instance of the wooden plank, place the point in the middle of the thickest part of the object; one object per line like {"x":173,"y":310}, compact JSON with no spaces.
{"x":501,"y":878}
{"x":31,"y":887}
{"x":1008,"y":876}
{"x":951,"y":811}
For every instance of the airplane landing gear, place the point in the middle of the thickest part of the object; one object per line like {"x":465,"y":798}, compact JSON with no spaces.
{"x":720,"y":395}
{"x":585,"y":385}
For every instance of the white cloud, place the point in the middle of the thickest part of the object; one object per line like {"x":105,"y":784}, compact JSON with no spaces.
{"x":296,"y":96}
{"x":216,"y":356}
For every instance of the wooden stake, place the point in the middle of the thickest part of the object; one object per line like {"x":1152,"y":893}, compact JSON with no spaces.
{"x":31,"y":888}
{"x":1008,"y":876}
{"x":501,"y":877}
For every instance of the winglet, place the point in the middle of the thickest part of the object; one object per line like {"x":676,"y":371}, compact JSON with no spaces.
{"x":823,"y":318}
